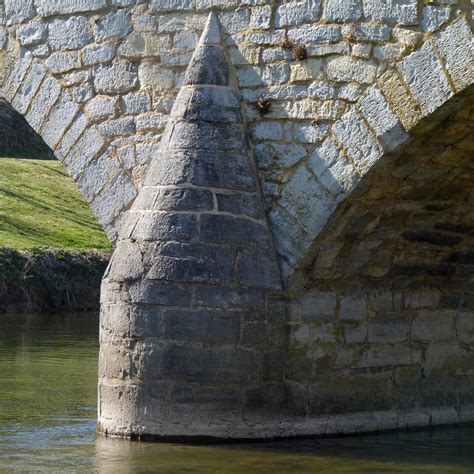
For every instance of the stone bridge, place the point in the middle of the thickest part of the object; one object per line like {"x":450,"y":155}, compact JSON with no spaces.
{"x":294,"y":231}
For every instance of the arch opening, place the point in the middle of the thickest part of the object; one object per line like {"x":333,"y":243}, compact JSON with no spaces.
{"x":386,"y":316}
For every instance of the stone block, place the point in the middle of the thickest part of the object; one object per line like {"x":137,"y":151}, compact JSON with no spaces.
{"x":352,"y":308}
{"x":63,"y":62}
{"x":310,"y":34}
{"x":347,"y":69}
{"x":455,"y":46}
{"x":431,"y":326}
{"x":402,"y":102}
{"x":355,"y":332}
{"x":260,"y":17}
{"x":205,"y":136}
{"x":209,"y":66}
{"x":17,"y":11}
{"x":86,"y":148}
{"x":367,"y":32}
{"x":208,"y":265}
{"x":267,"y":131}
{"x":214,"y":327}
{"x":337,"y":11}
{"x":42,"y":103}
{"x":465,"y":327}
{"x":321,"y":90}
{"x":388,"y":329}
{"x":240,"y":204}
{"x":171,"y":5}
{"x":318,"y":305}
{"x":384,"y":355}
{"x":118,"y":127}
{"x":159,"y":294}
{"x":69,"y":33}
{"x":64,"y":7}
{"x":140,"y":45}
{"x":249,"y":300}
{"x":218,"y":366}
{"x":353,"y":133}
{"x":114,"y":362}
{"x":354,"y":393}
{"x":309,"y":133}
{"x":434,"y":17}
{"x":224,"y":328}
{"x":382,"y":119}
{"x":113,"y":25}
{"x":447,"y":360}
{"x":350,"y":92}
{"x":31,"y":33}
{"x":58,"y":120}
{"x":392,"y":11}
{"x":182,"y":200}
{"x":430,"y":89}
{"x":76,"y":129}
{"x":231,"y":170}
{"x":233,"y":231}
{"x":126,"y":263}
{"x":422,"y":299}
{"x":103,"y":53}
{"x":116,"y":197}
{"x":146,"y":322}
{"x":97,"y":174}
{"x":306,"y":200}
{"x":166,"y":227}
{"x":135,"y":103}
{"x":291,"y":240}
{"x":388,"y":52}
{"x":207,"y":104}
{"x":249,"y":76}
{"x":101,"y":107}
{"x":185,"y":40}
{"x":295,"y":13}
{"x":116,"y":78}
{"x":29,"y":86}
{"x":17,"y":74}
{"x":171,"y":168}
{"x":114,"y":321}
{"x":310,"y":70}
{"x":258,"y":271}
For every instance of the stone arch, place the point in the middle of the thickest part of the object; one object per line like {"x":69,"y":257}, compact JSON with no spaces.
{"x":409,"y":99}
{"x":52,"y":113}
{"x":124,"y":67}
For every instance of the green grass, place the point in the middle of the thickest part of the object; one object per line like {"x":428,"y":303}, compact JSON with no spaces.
{"x":40,"y":206}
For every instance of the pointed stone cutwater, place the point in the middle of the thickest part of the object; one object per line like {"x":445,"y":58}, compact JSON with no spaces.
{"x":190,"y":344}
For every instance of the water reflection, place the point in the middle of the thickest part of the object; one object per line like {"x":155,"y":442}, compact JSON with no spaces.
{"x":48,"y":368}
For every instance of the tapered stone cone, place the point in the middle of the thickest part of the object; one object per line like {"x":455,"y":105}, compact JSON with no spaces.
{"x":188,"y":345}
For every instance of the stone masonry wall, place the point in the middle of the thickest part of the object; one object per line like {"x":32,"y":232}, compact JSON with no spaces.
{"x":97,"y":80}
{"x":359,"y":118}
{"x":386,"y":321}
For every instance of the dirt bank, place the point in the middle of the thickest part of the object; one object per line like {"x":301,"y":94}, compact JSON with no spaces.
{"x":44,"y":280}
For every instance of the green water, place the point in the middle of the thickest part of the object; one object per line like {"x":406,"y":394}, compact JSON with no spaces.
{"x":48,"y":372}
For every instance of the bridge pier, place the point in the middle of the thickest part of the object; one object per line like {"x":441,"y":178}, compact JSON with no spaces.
{"x":191,"y":342}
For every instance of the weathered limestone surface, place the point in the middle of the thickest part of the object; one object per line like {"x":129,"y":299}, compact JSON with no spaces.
{"x":363,"y":155}
{"x":116,"y":50}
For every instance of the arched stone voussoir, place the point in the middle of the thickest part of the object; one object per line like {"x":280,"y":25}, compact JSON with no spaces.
{"x":86,"y":151}
{"x":407,"y":100}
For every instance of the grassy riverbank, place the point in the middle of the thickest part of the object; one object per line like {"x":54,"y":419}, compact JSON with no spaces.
{"x":40,"y":206}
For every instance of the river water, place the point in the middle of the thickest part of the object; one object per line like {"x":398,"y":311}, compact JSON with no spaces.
{"x":48,"y":383}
